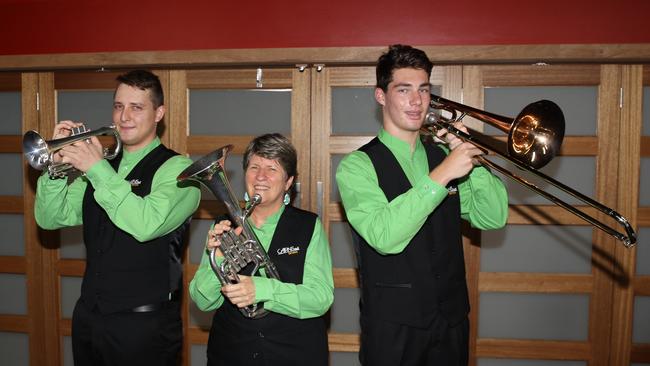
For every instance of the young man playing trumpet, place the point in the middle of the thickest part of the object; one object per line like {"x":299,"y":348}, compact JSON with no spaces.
{"x":134,"y":215}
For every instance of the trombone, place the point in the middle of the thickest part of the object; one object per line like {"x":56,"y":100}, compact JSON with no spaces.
{"x":534,"y":138}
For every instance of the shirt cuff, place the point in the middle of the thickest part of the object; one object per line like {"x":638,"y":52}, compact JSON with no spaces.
{"x":427,"y":188}
{"x":480,"y":171}
{"x":208,"y":286}
{"x":263,"y":289}
{"x":99,"y":172}
{"x":46,"y":181}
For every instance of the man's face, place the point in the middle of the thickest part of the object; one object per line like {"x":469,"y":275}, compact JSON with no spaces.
{"x":405,"y":102}
{"x":135,"y":116}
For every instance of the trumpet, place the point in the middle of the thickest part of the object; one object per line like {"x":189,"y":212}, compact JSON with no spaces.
{"x":40,"y":153}
{"x":534,"y":138}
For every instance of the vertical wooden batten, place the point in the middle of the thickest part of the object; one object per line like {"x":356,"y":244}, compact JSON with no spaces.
{"x":33,"y":252}
{"x":165,"y":82}
{"x":321,"y":111}
{"x":603,"y":245}
{"x":49,"y":240}
{"x":629,"y":160}
{"x":175,"y":137}
{"x":301,"y":131}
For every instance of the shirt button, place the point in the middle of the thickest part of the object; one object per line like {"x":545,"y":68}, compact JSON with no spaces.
{"x":255,"y":354}
{"x":260,"y":334}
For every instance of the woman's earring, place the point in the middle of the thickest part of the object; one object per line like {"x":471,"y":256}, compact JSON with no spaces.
{"x":246,"y":198}
{"x":287,"y":199}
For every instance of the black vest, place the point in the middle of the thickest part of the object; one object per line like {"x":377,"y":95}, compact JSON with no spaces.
{"x":428,"y":277}
{"x":274,"y":339}
{"x":121,"y":272}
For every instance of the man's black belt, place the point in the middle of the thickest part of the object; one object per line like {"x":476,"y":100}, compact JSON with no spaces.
{"x":173,"y":296}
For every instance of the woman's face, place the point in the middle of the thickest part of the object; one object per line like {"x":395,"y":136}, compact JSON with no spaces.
{"x":268,"y":179}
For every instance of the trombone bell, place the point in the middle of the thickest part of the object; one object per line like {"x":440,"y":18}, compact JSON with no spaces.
{"x":536,"y":134}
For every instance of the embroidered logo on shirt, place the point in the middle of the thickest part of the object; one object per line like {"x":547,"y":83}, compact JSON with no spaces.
{"x":288,"y":250}
{"x":135,"y":182}
{"x":452,"y":190}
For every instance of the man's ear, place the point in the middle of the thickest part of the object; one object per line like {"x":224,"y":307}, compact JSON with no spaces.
{"x":160,"y":113}
{"x":380,"y":96}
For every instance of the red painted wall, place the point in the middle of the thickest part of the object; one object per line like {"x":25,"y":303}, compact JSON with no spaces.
{"x":62,"y":26}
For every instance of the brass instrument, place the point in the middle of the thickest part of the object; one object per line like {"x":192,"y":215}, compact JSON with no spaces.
{"x":534,"y":138}
{"x":39,"y":152}
{"x":238,"y":250}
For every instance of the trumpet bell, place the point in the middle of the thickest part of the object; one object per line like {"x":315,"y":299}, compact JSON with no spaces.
{"x":536,"y":134}
{"x":35,"y":150}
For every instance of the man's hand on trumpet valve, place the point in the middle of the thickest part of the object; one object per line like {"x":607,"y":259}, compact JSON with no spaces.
{"x":63,"y":129}
{"x":82,"y":155}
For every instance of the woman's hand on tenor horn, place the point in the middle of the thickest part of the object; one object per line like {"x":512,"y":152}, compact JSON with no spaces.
{"x":214,"y":235}
{"x":241,"y":294}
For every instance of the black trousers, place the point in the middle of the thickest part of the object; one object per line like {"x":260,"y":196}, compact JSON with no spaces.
{"x":127,"y":338}
{"x":390,"y":344}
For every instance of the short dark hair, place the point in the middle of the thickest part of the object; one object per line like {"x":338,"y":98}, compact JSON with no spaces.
{"x":144,"y":80}
{"x":273,"y":146}
{"x":399,"y":57}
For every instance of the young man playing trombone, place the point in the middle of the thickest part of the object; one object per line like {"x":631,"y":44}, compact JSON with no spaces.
{"x":134,"y":215}
{"x":405,"y":201}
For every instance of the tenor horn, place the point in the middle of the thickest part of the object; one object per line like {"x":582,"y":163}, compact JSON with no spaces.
{"x":534,"y":138}
{"x":242,"y":254}
{"x":39,"y":152}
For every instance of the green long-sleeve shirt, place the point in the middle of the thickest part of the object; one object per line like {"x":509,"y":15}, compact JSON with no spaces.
{"x":310,"y":299}
{"x":390,"y":226}
{"x":160,"y":212}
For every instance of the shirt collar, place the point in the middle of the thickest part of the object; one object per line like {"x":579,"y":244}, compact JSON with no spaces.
{"x":271,"y":221}
{"x":129,"y":156}
{"x":399,"y":148}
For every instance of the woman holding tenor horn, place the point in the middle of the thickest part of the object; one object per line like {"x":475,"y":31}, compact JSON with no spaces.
{"x":293,"y":332}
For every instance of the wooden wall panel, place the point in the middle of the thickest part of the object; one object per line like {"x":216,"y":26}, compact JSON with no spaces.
{"x":617,"y":160}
